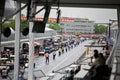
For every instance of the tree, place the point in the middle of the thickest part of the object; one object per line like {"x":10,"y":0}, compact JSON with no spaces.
{"x":12,"y":24}
{"x":54,"y":25}
{"x":9,"y":24}
{"x":100,"y":29}
{"x":24,"y":24}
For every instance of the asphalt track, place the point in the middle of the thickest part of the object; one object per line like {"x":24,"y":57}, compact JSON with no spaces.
{"x":60,"y":61}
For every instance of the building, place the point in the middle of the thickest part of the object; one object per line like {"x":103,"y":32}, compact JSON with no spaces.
{"x":77,"y":25}
{"x":72,"y":25}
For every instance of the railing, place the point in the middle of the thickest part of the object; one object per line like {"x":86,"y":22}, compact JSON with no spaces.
{"x":23,"y":40}
{"x":114,"y":59}
{"x":110,"y":59}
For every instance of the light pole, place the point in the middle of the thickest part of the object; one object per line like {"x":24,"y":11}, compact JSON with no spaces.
{"x":109,"y":27}
{"x":0,"y":31}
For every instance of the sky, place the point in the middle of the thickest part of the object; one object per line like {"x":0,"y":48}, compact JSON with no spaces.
{"x":95,"y":14}
{"x":99,"y":15}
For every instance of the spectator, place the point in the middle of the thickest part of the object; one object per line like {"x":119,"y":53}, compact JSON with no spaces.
{"x":4,"y":73}
{"x":54,"y":55}
{"x":102,"y":59}
{"x":98,"y":66}
{"x":96,"y":56}
{"x":1,"y":54}
{"x":107,"y":48}
{"x":66,"y":48}
{"x":47,"y":57}
{"x":60,"y":51}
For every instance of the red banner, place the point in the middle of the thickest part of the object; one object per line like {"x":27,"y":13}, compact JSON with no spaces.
{"x":52,"y":19}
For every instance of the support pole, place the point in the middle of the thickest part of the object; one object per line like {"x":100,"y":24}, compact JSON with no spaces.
{"x":31,"y":45}
{"x":109,"y":29}
{"x":17,"y":43}
{"x":0,"y":31}
{"x":118,"y":16}
{"x":31,"y":53}
{"x":2,"y":7}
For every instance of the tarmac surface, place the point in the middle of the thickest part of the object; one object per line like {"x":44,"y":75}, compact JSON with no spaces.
{"x":43,"y":69}
{"x":65,"y":59}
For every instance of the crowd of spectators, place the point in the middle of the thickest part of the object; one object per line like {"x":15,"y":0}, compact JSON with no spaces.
{"x":99,"y":70}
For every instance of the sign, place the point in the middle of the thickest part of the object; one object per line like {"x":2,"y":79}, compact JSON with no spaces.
{"x":51,"y":19}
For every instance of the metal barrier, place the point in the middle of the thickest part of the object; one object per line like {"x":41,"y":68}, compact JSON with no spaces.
{"x":114,"y":59}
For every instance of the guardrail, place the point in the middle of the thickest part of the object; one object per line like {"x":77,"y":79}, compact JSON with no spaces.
{"x":23,"y":40}
{"x":109,"y":61}
{"x":114,"y":60}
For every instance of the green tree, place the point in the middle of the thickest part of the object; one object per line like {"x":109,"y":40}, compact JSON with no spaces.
{"x":24,"y":24}
{"x":12,"y":24}
{"x":9,"y":24}
{"x":54,"y":25}
{"x":100,"y":29}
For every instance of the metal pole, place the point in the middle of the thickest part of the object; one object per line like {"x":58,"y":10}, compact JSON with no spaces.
{"x":31,"y":53}
{"x":118,"y":17}
{"x":2,"y":7}
{"x":0,"y":31}
{"x":17,"y":43}
{"x":109,"y":29}
{"x":31,"y":45}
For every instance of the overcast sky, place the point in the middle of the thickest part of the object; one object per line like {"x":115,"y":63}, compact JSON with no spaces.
{"x":96,"y":14}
